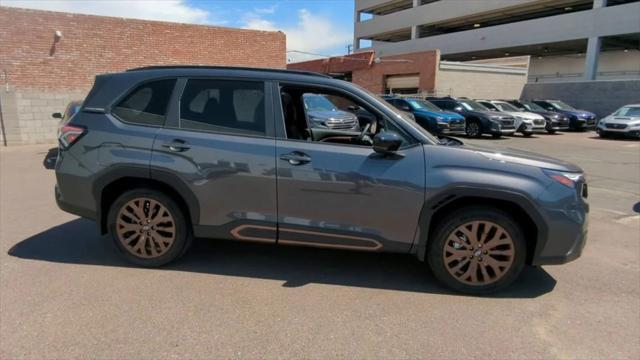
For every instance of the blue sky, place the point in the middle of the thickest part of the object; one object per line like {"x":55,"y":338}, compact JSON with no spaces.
{"x":312,"y":26}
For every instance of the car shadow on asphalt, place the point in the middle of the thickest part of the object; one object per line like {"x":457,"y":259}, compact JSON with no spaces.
{"x":77,"y":242}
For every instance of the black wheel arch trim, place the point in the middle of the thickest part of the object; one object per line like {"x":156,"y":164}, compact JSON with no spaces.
{"x":448,"y":195}
{"x":116,"y":172}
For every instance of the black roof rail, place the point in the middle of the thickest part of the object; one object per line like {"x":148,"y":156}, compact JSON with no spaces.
{"x":281,"y":71}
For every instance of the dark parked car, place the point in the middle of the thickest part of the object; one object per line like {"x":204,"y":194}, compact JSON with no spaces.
{"x":554,"y":121}
{"x":479,"y":120}
{"x":431,"y":117}
{"x":72,"y":108}
{"x":578,"y":119}
{"x":160,"y":155}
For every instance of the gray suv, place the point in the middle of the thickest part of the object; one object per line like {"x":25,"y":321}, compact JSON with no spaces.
{"x":158,"y":156}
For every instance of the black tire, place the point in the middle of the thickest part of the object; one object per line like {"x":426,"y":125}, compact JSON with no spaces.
{"x":436,"y":252}
{"x":603,"y":134}
{"x":527,"y":133}
{"x":181,"y":229}
{"x":473,"y":129}
{"x":551,"y":131}
{"x":496,"y":136}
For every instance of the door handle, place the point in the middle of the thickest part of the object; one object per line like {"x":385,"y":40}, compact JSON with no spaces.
{"x":296,"y":158}
{"x":177,"y":145}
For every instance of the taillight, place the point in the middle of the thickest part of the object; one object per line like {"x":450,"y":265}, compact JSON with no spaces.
{"x":69,"y":134}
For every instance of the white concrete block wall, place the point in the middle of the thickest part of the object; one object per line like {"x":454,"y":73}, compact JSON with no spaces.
{"x":27,"y":114}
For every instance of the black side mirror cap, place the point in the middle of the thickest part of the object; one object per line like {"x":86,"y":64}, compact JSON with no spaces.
{"x":56,"y":115}
{"x":386,"y":142}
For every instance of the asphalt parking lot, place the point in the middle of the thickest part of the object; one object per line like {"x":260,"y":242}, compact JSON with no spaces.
{"x":64,"y":293}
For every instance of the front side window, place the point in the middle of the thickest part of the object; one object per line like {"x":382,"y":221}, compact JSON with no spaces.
{"x":421,"y":104}
{"x":234,"y":106}
{"x":330,"y":117}
{"x":147,"y":104}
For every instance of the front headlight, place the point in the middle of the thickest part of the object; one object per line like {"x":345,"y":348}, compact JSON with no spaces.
{"x":568,"y":179}
{"x":317,"y":121}
{"x":635,"y":125}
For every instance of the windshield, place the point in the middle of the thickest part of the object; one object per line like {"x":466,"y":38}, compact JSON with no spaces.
{"x":631,"y":111}
{"x":318,"y":103}
{"x":503,"y":106}
{"x":472,"y":105}
{"x":560,"y":105}
{"x":532,"y":106}
{"x":421,"y":104}
{"x":489,"y":106}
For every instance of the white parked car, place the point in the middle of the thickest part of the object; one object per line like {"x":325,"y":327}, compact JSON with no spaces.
{"x":526,"y":122}
{"x":625,"y":121}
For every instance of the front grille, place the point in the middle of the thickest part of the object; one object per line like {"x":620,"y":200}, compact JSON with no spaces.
{"x":615,"y":126}
{"x":538,"y":122}
{"x":341,"y":124}
{"x":506,"y":123}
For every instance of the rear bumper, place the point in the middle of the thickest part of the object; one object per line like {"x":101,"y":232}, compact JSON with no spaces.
{"x":71,"y":208}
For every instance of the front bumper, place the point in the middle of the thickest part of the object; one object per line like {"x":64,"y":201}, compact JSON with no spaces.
{"x":583,"y":124}
{"x":628,"y":132}
{"x":451,"y":128}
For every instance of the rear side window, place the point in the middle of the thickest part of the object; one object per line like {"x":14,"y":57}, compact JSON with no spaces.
{"x":223,"y":106}
{"x":147,"y":104}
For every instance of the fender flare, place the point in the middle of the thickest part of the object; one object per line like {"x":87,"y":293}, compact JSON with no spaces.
{"x":117,"y":172}
{"x":448,"y":195}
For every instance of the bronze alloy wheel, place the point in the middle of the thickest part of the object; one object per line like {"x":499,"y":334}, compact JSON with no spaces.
{"x":145,"y":228}
{"x":478,"y":253}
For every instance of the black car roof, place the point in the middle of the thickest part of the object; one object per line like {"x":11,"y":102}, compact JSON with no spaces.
{"x":232,"y":68}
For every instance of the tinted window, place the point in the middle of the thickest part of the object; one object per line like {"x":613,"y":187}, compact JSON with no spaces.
{"x":224,"y":106}
{"x":147,"y":104}
{"x":444,"y":104}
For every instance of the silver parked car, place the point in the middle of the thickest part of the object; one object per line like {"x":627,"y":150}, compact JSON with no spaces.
{"x":625,"y":121}
{"x":322,"y":113}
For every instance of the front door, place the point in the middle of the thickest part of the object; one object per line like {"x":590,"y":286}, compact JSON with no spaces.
{"x":346,"y":196}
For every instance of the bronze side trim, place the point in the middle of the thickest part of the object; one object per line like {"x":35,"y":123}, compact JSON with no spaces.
{"x":376,"y":244}
{"x":236,"y":233}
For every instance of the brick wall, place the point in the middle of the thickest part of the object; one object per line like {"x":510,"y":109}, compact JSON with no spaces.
{"x":372,"y":75}
{"x":39,"y":75}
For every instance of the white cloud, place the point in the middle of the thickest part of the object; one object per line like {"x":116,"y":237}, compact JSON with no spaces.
{"x":268,"y":10}
{"x":312,"y":34}
{"x":167,"y":10}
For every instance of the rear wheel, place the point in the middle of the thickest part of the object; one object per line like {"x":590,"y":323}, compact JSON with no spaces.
{"x":148,"y":227}
{"x":477,"y":250}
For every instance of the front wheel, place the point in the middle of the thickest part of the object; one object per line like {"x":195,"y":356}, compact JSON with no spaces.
{"x":148,"y":227}
{"x":527,"y":133}
{"x":478,"y":250}
{"x":473,"y":129}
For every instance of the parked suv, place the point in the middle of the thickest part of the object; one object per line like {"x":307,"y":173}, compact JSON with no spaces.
{"x":430,"y":117}
{"x":479,"y":120}
{"x":526,"y":123}
{"x":160,"y":155}
{"x":322,"y":113}
{"x":555,"y":121}
{"x":578,"y":119}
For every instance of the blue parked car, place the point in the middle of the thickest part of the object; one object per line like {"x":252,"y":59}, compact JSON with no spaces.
{"x":578,"y":119}
{"x":431,"y":117}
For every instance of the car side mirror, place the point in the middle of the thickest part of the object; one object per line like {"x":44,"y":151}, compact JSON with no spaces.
{"x":56,"y":115}
{"x":386,"y":142}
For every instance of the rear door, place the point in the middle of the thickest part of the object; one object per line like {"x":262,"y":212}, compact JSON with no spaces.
{"x":218,"y":144}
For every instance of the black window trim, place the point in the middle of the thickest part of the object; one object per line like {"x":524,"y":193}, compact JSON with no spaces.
{"x":136,"y":86}
{"x":282,"y":134}
{"x":173,"y":119}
